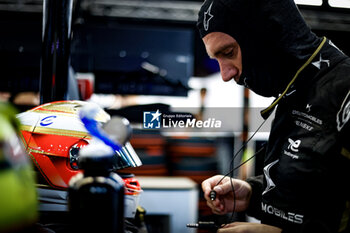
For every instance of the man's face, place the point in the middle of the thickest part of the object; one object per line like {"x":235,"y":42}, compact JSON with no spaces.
{"x":227,"y":52}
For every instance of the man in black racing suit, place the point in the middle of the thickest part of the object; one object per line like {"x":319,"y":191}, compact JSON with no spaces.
{"x":267,"y":46}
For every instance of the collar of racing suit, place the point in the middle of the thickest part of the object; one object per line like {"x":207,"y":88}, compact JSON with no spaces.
{"x":324,"y":58}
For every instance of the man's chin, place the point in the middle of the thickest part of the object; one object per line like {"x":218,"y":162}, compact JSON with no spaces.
{"x":237,"y":79}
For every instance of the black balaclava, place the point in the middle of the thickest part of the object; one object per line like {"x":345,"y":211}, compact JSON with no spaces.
{"x":274,"y":39}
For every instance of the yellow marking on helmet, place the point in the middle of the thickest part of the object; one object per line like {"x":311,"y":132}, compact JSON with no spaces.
{"x":61,"y":132}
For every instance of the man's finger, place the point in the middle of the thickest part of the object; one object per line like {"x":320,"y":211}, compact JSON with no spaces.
{"x":206,"y":186}
{"x":225,"y":187}
{"x":209,"y":184}
{"x":233,"y":224}
{"x":215,"y":205}
{"x":226,"y":230}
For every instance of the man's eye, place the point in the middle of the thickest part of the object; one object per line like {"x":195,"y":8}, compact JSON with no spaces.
{"x":228,"y":53}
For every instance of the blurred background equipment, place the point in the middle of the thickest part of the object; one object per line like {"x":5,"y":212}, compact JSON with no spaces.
{"x":107,"y":43}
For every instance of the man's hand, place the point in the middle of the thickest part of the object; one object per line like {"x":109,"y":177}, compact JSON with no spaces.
{"x":247,"y":227}
{"x":224,"y":196}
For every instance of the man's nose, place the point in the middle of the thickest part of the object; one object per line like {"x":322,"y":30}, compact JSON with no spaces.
{"x":228,"y":71}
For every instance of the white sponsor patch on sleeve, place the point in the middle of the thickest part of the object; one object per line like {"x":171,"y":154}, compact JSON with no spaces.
{"x":343,"y":115}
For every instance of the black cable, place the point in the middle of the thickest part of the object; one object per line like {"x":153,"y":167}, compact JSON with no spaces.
{"x":232,"y":168}
{"x":231,"y":174}
{"x":249,"y":158}
{"x":234,"y":197}
{"x":236,"y":154}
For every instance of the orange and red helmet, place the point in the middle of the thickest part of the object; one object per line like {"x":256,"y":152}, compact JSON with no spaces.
{"x":53,"y":133}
